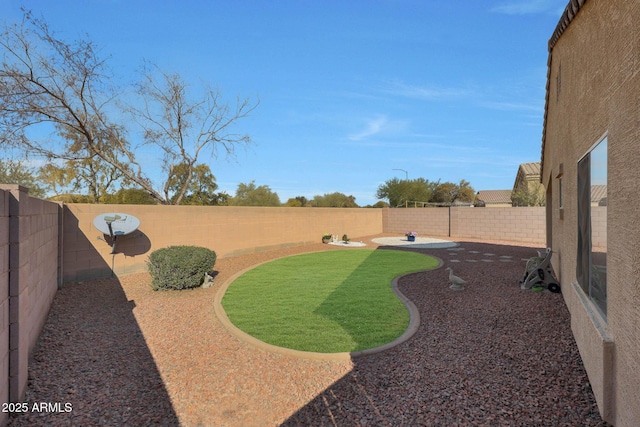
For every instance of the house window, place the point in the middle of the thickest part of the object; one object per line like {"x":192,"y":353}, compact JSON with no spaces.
{"x":591,"y":266}
{"x":560,"y":193}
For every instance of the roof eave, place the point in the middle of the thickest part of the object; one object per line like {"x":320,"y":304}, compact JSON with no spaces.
{"x":569,"y":13}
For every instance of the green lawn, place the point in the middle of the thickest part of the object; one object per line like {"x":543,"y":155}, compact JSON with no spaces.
{"x":329,"y":302}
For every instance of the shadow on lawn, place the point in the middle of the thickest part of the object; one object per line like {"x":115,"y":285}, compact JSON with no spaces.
{"x":492,"y":354}
{"x":355,"y":297}
{"x":92,"y":355}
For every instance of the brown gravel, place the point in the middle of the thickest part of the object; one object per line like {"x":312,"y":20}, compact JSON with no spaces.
{"x":493,"y":354}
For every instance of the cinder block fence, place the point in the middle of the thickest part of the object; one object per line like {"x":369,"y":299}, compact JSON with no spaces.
{"x":227,"y":230}
{"x":523,"y":225}
{"x":29,"y":278}
{"x":45,"y":244}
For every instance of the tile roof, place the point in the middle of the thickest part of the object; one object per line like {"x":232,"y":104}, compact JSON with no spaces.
{"x":532,"y":168}
{"x":569,"y":13}
{"x":495,"y":196}
{"x":598,"y":192}
{"x":527,"y":172}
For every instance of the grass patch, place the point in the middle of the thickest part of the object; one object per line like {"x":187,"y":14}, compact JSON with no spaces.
{"x":328,"y":302}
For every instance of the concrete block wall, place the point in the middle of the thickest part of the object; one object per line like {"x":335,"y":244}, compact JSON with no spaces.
{"x":424,"y":221}
{"x":33,"y":262}
{"x":510,"y":224}
{"x":31,"y":228}
{"x":4,"y":301}
{"x":526,"y":224}
{"x":599,"y":227}
{"x":234,"y":231}
{"x":227,"y":230}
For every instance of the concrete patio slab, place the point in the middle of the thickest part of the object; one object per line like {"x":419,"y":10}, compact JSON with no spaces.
{"x":419,"y":243}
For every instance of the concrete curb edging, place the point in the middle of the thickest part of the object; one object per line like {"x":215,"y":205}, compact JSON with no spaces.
{"x":414,"y":323}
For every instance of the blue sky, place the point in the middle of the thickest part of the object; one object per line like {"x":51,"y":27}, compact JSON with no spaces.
{"x":349,"y":91}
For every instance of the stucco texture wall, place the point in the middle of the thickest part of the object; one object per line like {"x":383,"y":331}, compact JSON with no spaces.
{"x":594,"y":91}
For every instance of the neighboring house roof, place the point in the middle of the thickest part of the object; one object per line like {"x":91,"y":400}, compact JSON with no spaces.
{"x":598,"y":192}
{"x":526,"y":172}
{"x":532,"y":168}
{"x":570,"y":12}
{"x":492,"y":197}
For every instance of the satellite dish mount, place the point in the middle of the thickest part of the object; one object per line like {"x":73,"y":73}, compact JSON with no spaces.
{"x":115,"y":225}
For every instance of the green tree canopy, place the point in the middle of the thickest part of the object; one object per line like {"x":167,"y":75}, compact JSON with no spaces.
{"x":72,"y":198}
{"x":129,"y":196}
{"x":200,"y":189}
{"x":334,"y":200}
{"x":529,"y":195}
{"x":83,"y":169}
{"x":448,"y":192}
{"x":252,"y":195}
{"x":223,"y":199}
{"x":16,"y":172}
{"x":297,"y":202}
{"x":399,"y":191}
{"x":292,"y":202}
{"x":380,"y":204}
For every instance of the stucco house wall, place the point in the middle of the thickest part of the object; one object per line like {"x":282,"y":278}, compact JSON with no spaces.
{"x":593,"y":91}
{"x":528,"y":177}
{"x":528,"y":181}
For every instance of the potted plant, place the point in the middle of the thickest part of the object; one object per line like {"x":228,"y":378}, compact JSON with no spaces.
{"x":326,"y":237}
{"x":411,"y":236}
{"x":345,"y":238}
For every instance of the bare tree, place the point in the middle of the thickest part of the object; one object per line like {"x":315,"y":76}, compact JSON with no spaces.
{"x":47,"y":83}
{"x":183,"y":128}
{"x":86,"y":171}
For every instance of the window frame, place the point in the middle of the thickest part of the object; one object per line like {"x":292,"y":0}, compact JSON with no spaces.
{"x":591,"y":278}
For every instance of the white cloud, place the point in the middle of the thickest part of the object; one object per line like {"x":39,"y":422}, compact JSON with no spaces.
{"x":527,"y":7}
{"x":423,"y":92}
{"x":377,"y":125}
{"x":513,"y":106}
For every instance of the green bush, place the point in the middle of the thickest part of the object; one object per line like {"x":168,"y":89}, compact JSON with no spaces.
{"x":180,"y":267}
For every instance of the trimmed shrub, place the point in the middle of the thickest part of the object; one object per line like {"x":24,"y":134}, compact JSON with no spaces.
{"x":179,"y":267}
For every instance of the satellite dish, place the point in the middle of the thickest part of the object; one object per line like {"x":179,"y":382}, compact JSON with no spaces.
{"x":116,"y":224}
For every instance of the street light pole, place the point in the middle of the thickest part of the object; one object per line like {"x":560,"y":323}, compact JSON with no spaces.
{"x":405,"y":172}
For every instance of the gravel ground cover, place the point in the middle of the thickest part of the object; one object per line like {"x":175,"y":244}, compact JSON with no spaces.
{"x":493,"y":354}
